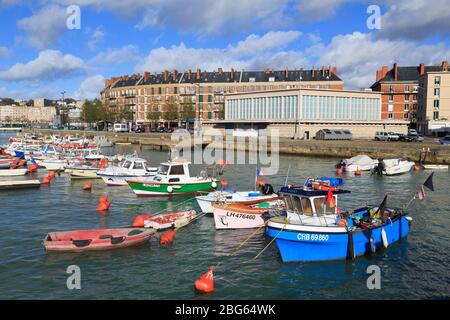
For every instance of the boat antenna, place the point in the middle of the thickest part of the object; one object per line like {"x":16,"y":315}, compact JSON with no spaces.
{"x":287,"y":175}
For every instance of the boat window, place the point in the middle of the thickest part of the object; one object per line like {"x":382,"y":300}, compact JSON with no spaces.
{"x":177,"y":170}
{"x":319,"y":204}
{"x":163,"y":169}
{"x":138,"y":166}
{"x":126,"y":164}
{"x":307,"y":208}
{"x":174,"y":180}
{"x":289,"y":203}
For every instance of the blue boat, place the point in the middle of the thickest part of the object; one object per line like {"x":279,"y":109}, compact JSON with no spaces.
{"x":315,"y":230}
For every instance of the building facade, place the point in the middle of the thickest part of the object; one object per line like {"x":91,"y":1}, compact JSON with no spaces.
{"x":203,"y":91}
{"x":302,"y":113}
{"x":400,"y":91}
{"x":27,"y":115}
{"x":434,"y":102}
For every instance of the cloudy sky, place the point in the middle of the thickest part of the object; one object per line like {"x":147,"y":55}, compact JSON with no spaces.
{"x":40,"y":56}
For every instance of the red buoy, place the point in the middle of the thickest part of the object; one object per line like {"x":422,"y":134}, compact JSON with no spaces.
{"x":206,"y":282}
{"x":87,"y":185}
{"x":139,"y":221}
{"x":103,"y":198}
{"x":167,"y":237}
{"x":46,"y":180}
{"x":104,"y":206}
{"x":32,"y":168}
{"x":51,"y":174}
{"x":358,"y":172}
{"x":339,"y":171}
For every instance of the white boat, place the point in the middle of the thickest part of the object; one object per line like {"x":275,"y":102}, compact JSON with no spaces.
{"x":13,"y":172}
{"x":392,"y":167}
{"x":244,"y":197}
{"x":361,"y":163}
{"x":54,"y":164}
{"x":131,"y":168}
{"x":435,"y":166}
{"x":102,"y":142}
{"x":84,"y":172}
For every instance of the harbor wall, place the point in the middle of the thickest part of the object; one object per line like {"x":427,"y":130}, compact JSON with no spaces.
{"x":435,"y":153}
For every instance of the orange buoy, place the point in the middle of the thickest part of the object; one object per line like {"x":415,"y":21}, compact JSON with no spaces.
{"x":104,"y":206}
{"x":87,"y":185}
{"x":51,"y":174}
{"x":358,"y":172}
{"x":342,"y":223}
{"x":339,"y":171}
{"x":167,"y":237}
{"x":139,"y":221}
{"x":206,"y":282}
{"x":103,"y":198}
{"x":32,"y":168}
{"x":417,"y":167}
{"x":46,"y":180}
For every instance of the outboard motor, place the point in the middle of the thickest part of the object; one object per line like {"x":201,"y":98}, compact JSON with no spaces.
{"x":267,"y":189}
{"x":380,"y":167}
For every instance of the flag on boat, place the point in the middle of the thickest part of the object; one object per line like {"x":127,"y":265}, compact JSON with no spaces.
{"x":330,"y":199}
{"x":382,"y":207}
{"x":259,"y":172}
{"x":421,"y":193}
{"x":429,"y":182}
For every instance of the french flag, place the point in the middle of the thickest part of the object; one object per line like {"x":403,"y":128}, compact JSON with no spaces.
{"x":421,"y":193}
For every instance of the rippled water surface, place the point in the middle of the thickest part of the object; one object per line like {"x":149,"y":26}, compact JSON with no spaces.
{"x":415,"y":268}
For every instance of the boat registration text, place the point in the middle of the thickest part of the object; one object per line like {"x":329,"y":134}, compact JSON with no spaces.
{"x":312,"y":237}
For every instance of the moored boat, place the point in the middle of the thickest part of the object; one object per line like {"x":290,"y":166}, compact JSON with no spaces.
{"x":357,"y":163}
{"x":94,"y":240}
{"x":168,"y":220}
{"x":315,"y":230}
{"x":173,"y":179}
{"x":131,"y":168}
{"x":13,"y":172}
{"x":84,"y":172}
{"x":392,"y":167}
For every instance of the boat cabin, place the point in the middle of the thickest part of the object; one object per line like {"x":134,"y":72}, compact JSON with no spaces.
{"x":307,"y":206}
{"x":135,"y":164}
{"x":174,"y":171}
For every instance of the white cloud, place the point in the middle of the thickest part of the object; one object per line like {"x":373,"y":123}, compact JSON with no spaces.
{"x":314,"y":11}
{"x":126,"y":54}
{"x":4,"y":51}
{"x":255,"y":52}
{"x":97,"y":35}
{"x":90,"y":88}
{"x":45,"y":27}
{"x":359,"y":55}
{"x":49,"y":65}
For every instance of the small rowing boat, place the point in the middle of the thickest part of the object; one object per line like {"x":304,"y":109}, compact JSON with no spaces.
{"x":435,"y":166}
{"x":13,"y":172}
{"x":166,"y":221}
{"x":93,"y":240}
{"x":21,"y":184}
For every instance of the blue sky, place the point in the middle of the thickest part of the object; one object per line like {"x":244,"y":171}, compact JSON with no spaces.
{"x":40,"y":56}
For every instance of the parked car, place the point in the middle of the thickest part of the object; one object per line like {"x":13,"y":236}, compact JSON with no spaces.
{"x":412,"y":131}
{"x":139,"y":130}
{"x":411,"y":137}
{"x":445,"y":140}
{"x":386,"y":136}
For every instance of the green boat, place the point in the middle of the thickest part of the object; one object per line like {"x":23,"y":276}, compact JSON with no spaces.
{"x":173,"y":179}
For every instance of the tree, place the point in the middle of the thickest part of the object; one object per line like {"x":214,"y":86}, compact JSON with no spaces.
{"x":93,"y":111}
{"x":153,"y":116}
{"x":187,"y":113}
{"x":171,"y":113}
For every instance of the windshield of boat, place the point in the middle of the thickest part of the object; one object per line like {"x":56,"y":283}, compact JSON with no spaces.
{"x":163,"y":169}
{"x":126,"y":164}
{"x":322,"y":206}
{"x":138,"y":165}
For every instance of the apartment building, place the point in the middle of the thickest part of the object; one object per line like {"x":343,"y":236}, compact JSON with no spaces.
{"x":204,"y":91}
{"x":400,"y":89}
{"x":434,"y":102}
{"x":25,"y":114}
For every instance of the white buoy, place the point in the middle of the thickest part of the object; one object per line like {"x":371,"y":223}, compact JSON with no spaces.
{"x":410,"y":219}
{"x":384,"y":238}
{"x":373,"y":248}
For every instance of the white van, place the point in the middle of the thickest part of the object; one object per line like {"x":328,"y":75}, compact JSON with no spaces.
{"x":120,"y":127}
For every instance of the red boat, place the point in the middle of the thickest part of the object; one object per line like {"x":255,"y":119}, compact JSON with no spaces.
{"x":92,"y":240}
{"x":166,"y":221}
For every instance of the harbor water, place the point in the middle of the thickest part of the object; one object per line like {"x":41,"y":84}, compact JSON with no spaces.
{"x":415,"y":268}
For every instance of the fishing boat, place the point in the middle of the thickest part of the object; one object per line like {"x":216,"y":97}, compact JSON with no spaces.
{"x":173,"y":179}
{"x":94,"y":240}
{"x":13,"y":172}
{"x":166,"y":221}
{"x":131,"y":168}
{"x":392,"y":167}
{"x":358,"y":163}
{"x":435,"y":166}
{"x":83,"y":172}
{"x":243,"y":197}
{"x":315,"y":230}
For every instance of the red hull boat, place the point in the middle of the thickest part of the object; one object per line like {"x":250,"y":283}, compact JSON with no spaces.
{"x":92,"y":240}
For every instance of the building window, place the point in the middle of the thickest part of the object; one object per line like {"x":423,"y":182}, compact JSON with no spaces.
{"x":436,"y":104}
{"x":175,"y":90}
{"x":437,"y":92}
{"x":437,"y":80}
{"x":406,"y":107}
{"x":436,"y":115}
{"x":415,"y":97}
{"x":390,"y":115}
{"x":391,"y":88}
{"x":391,"y":97}
{"x":406,"y":88}
{"x":406,"y":97}
{"x":406,"y":115}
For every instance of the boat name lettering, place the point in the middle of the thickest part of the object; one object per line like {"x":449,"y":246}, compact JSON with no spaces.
{"x":241,"y":215}
{"x":312,"y":237}
{"x":150,"y":185}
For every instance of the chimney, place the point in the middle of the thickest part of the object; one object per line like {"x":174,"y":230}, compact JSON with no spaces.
{"x":198,"y":74}
{"x":287,"y":73}
{"x":323,"y":72}
{"x":232,"y":73}
{"x":166,"y":73}
{"x":146,"y":75}
{"x":395,"y":72}
{"x":422,"y":69}
{"x":107,"y":82}
{"x":334,"y":71}
{"x":175,"y":74}
{"x":189,"y":74}
{"x":445,"y":65}
{"x":312,"y":72}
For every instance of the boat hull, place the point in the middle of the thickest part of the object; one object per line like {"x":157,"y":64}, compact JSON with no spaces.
{"x":205,"y":202}
{"x":13,"y":172}
{"x":150,"y":188}
{"x":230,"y":219}
{"x":83,"y":174}
{"x":303,"y":243}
